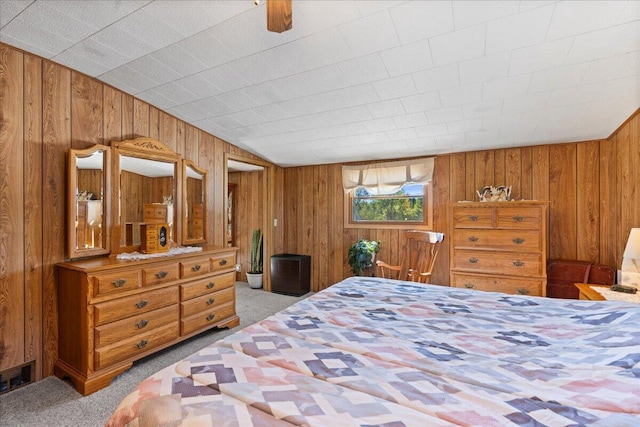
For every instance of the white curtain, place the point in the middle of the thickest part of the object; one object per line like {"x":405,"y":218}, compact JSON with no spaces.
{"x":388,"y":177}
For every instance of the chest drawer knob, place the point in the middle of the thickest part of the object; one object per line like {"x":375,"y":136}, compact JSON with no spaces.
{"x":518,"y":218}
{"x":518,"y":240}
{"x":473,"y":239}
{"x":518,"y":263}
{"x":523,"y":291}
{"x":211,"y":301}
{"x":142,"y":343}
{"x":196,"y":267}
{"x":142,"y":303}
{"x":161,"y":274}
{"x":210,"y":317}
{"x":473,"y":217}
{"x":474,"y":260}
{"x":141,"y":324}
{"x":119,"y":283}
{"x":223,"y":262}
{"x":210,"y":285}
{"x":469,"y":285}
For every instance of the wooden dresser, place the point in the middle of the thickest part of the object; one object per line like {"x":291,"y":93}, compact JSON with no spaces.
{"x":499,"y":246}
{"x":112,"y":312}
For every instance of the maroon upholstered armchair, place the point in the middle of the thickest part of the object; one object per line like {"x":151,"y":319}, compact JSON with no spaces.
{"x":563,"y":274}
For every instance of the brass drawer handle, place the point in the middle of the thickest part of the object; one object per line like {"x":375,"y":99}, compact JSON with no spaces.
{"x":210,"y":317}
{"x":142,"y":303}
{"x":210,"y":285}
{"x":210,"y":301}
{"x":469,"y":285}
{"x":518,"y":263}
{"x":142,"y":343}
{"x":141,"y":324}
{"x":523,"y":291}
{"x":518,"y":218}
{"x":473,"y":217}
{"x":161,"y":274}
{"x":473,"y":239}
{"x":196,"y":267}
{"x":119,"y":283}
{"x":223,"y":262}
{"x":474,"y":260}
{"x":517,"y":240}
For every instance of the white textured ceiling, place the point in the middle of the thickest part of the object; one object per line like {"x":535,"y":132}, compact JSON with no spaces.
{"x":356,"y":80}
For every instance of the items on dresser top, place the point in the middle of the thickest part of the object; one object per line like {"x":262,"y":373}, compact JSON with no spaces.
{"x":113,"y":312}
{"x":594,"y":292}
{"x":499,"y":246}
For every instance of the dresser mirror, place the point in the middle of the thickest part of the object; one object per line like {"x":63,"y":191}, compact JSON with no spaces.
{"x":146,"y":181}
{"x":88,"y":201}
{"x":194,"y":203}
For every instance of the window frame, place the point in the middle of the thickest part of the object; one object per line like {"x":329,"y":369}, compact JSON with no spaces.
{"x":426,"y":224}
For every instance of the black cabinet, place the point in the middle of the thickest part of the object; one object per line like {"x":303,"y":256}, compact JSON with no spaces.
{"x":290,"y":274}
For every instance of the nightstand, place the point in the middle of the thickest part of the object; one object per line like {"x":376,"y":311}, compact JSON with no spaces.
{"x":586,"y":293}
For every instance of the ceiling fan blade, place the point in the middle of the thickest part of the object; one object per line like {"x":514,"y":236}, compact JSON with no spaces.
{"x":279,"y":15}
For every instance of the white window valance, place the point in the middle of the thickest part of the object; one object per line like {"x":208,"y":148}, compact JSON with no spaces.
{"x":388,"y":177}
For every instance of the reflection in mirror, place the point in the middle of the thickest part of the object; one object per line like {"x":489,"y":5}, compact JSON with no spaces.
{"x":194,"y":205}
{"x":88,"y":175}
{"x":146,"y":196}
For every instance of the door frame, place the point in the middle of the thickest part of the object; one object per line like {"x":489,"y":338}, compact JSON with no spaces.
{"x":268,"y":214}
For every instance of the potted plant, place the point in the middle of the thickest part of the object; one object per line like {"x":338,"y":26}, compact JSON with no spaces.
{"x":254,"y":275}
{"x":362,"y":255}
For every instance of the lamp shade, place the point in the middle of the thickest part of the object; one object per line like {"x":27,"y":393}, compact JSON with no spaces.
{"x":632,"y":250}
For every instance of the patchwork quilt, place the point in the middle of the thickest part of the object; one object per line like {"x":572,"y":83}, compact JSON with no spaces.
{"x":380,"y":352}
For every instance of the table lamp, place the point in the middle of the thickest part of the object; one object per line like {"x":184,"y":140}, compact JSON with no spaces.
{"x":630,"y":269}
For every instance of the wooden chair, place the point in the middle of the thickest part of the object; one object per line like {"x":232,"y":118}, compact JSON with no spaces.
{"x":419,"y":257}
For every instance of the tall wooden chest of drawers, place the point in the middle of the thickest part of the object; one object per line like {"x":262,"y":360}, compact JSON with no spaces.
{"x":499,"y":246}
{"x":113,"y":312}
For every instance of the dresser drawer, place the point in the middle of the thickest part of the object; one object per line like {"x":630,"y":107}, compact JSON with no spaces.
{"x":507,"y":263}
{"x":155,"y":212}
{"x":504,"y":240}
{"x":208,"y":285}
{"x":518,"y":218}
{"x":206,"y":318}
{"x":160,"y":274}
{"x":206,"y":302}
{"x":120,"y":308}
{"x":509,"y":285}
{"x":105,"y":284}
{"x":195,"y":267}
{"x":223,"y":261}
{"x":472,"y":217}
{"x":135,"y":345}
{"x":144,"y":322}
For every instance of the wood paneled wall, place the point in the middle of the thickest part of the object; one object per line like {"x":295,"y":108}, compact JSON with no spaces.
{"x":592,"y":188}
{"x":46,"y":109}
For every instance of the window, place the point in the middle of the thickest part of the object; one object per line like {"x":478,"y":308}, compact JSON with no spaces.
{"x":389,"y":195}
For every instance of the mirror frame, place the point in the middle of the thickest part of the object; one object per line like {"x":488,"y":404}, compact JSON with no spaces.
{"x":149,"y":149}
{"x":72,"y":188}
{"x":185,"y":222}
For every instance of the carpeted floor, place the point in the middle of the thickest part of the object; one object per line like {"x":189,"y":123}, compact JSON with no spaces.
{"x":54,"y":403}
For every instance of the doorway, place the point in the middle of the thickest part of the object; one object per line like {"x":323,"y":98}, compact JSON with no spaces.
{"x":249,"y":206}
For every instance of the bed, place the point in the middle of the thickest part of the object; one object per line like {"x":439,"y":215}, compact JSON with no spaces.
{"x":371,"y":351}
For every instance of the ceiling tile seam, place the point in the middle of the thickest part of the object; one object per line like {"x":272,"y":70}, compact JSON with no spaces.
{"x":546,"y":33}
{"x":21,"y":12}
{"x":98,"y":31}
